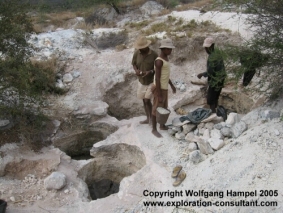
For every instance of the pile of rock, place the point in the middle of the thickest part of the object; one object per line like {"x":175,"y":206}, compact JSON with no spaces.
{"x":213,"y":133}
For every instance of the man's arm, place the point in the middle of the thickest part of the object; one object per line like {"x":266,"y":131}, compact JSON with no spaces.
{"x":134,"y":63}
{"x":137,"y":71}
{"x":158,"y":67}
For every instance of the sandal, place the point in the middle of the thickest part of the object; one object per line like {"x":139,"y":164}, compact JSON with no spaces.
{"x":181,"y":176}
{"x":176,"y":171}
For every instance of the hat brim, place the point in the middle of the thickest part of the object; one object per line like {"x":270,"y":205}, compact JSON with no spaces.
{"x":170,"y":47}
{"x":142,"y":46}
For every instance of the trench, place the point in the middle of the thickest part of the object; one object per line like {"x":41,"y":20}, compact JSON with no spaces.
{"x":111,"y":164}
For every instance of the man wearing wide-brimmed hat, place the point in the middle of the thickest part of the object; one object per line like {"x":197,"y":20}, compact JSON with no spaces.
{"x":215,"y":72}
{"x":143,"y":64}
{"x":161,"y":81}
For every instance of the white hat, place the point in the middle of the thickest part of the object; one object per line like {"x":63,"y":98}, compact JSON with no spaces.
{"x":141,"y":43}
{"x":166,"y":43}
{"x":208,"y":42}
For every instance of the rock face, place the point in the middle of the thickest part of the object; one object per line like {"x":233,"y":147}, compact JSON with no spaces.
{"x":56,"y":180}
{"x":151,"y":8}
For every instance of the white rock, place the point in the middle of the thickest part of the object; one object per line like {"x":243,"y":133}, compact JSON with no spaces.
{"x":76,"y":74}
{"x":277,"y":133}
{"x":188,"y":128}
{"x":215,"y":133}
{"x":216,"y":143}
{"x":209,"y":125}
{"x":56,"y":123}
{"x":151,"y":8}
{"x":226,"y":132}
{"x":56,"y":180}
{"x":192,"y":147}
{"x":238,"y":129}
{"x":219,"y":125}
{"x":204,"y":147}
{"x":67,"y":78}
{"x":190,"y":137}
{"x":12,"y":199}
{"x":232,"y":119}
{"x":180,"y":136}
{"x":4,"y":123}
{"x":206,"y":134}
{"x":59,"y":84}
{"x":183,"y":88}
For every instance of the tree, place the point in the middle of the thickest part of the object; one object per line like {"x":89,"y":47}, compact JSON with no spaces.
{"x":22,"y":82}
{"x":266,"y":18}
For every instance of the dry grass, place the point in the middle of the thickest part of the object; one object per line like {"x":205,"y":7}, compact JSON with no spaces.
{"x":132,"y":3}
{"x":158,"y":27}
{"x":195,"y":5}
{"x":84,"y":26}
{"x":139,"y":25}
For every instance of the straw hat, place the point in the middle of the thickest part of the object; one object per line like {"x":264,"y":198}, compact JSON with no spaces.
{"x":141,"y":43}
{"x":166,"y":43}
{"x":208,"y":42}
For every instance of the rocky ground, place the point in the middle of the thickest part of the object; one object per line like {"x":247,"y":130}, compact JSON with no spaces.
{"x":100,"y":115}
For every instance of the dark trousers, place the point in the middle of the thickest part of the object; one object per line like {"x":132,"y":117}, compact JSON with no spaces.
{"x":213,"y":95}
{"x":248,"y":76}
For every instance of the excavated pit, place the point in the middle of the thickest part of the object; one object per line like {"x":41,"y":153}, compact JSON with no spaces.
{"x":110,"y":165}
{"x":122,"y":99}
{"x":77,"y":143}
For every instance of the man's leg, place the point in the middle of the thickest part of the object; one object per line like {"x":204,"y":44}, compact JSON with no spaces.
{"x":164,"y":105}
{"x":154,"y":122}
{"x":213,"y":107}
{"x":147,"y":108}
{"x":154,"y":130}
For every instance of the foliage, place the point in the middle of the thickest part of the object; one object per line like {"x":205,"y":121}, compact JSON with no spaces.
{"x":266,"y":20}
{"x":22,"y":82}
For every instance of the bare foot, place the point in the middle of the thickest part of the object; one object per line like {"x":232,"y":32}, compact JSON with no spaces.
{"x":164,"y":127}
{"x":144,"y":122}
{"x":157,"y":134}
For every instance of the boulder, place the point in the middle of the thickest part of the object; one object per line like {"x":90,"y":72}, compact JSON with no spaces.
{"x":56,"y":180}
{"x":188,"y":128}
{"x":151,"y":8}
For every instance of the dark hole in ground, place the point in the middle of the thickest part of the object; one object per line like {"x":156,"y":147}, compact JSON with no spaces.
{"x":82,"y":157}
{"x":77,"y":143}
{"x":110,"y":165}
{"x":102,"y":189}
